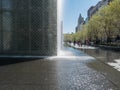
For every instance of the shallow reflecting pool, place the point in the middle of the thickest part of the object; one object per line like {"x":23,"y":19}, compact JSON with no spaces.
{"x":110,"y":57}
{"x":104,"y":55}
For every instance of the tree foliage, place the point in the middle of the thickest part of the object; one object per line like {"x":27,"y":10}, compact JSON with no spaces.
{"x":103,"y":26}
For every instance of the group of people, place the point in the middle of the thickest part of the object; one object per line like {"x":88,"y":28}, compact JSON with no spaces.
{"x":80,"y":43}
{"x":87,"y":42}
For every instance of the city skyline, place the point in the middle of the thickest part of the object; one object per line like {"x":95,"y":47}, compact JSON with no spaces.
{"x":72,"y":10}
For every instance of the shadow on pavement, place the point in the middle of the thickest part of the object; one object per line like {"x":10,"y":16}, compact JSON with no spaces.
{"x":10,"y":60}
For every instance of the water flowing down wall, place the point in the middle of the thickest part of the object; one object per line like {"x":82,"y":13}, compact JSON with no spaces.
{"x":60,"y":4}
{"x":28,"y":27}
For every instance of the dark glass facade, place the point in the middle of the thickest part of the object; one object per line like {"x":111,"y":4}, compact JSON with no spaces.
{"x":28,"y":27}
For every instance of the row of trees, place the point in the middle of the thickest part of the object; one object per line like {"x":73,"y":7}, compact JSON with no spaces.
{"x":102,"y":28}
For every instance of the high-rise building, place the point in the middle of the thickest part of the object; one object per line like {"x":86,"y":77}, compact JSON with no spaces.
{"x":28,"y":27}
{"x":93,"y":9}
{"x":80,"y":23}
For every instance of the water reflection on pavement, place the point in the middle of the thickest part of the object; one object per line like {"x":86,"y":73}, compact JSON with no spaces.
{"x":104,"y":55}
{"x":107,"y":56}
{"x":56,"y":73}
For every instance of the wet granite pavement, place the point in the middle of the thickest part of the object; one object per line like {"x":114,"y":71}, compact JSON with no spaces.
{"x":72,"y":70}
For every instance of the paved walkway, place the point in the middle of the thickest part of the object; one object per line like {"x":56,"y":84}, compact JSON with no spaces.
{"x":109,"y":57}
{"x":54,"y":73}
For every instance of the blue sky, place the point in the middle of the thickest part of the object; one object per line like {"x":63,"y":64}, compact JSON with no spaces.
{"x":72,"y":10}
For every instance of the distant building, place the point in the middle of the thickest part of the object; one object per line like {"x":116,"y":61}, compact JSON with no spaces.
{"x":28,"y":27}
{"x":93,"y":9}
{"x":80,"y":23}
{"x":90,"y":12}
{"x":86,"y":20}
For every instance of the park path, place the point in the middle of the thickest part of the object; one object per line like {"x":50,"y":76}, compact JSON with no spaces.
{"x":69,"y":71}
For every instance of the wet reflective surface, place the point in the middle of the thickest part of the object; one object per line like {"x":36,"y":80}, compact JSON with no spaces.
{"x":109,"y":57}
{"x":104,"y":55}
{"x":56,"y":73}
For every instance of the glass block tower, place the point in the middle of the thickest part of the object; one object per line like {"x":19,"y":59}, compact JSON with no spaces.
{"x":28,"y":27}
